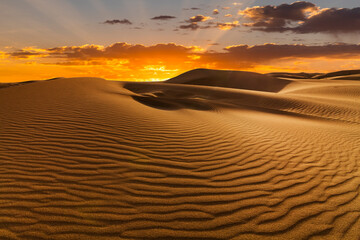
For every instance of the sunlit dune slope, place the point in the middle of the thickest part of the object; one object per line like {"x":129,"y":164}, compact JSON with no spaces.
{"x":249,"y":157}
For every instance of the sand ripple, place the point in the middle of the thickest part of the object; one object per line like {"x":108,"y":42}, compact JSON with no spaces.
{"x":90,"y":159}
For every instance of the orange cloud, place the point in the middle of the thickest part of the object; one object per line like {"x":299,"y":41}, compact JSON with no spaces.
{"x":199,"y":18}
{"x":3,"y":55}
{"x":136,"y":62}
{"x":228,"y":25}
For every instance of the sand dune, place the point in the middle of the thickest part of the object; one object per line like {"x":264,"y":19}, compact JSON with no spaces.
{"x":206,"y":155}
{"x":344,"y":73}
{"x":230,"y":79}
{"x":294,"y":75}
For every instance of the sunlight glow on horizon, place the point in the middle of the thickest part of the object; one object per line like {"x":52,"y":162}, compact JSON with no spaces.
{"x":50,"y":39}
{"x":17,"y":71}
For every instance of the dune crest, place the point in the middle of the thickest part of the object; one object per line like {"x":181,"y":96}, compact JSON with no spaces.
{"x":206,"y":155}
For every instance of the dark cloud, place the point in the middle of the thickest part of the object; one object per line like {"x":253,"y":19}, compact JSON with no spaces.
{"x":117,"y":50}
{"x":163,"y":17}
{"x":138,"y":57}
{"x":117,"y":21}
{"x":227,"y":25}
{"x":303,"y":17}
{"x":211,"y":24}
{"x":193,"y":23}
{"x":273,"y":17}
{"x":294,"y":11}
{"x":259,"y":53}
{"x":332,"y":21}
{"x":193,"y":8}
{"x":191,"y":26}
{"x":198,"y":18}
{"x":230,"y":55}
{"x":244,"y":56}
{"x":23,"y":54}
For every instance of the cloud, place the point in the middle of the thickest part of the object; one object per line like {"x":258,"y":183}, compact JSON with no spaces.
{"x":198,"y":18}
{"x":227,"y":25}
{"x":272,"y":55}
{"x":135,"y":61}
{"x":273,"y":17}
{"x":117,"y":21}
{"x":331,"y":20}
{"x":163,"y":17}
{"x":197,"y":22}
{"x":191,"y":26}
{"x":27,"y":53}
{"x":293,"y":11}
{"x":162,"y":51}
{"x":193,"y":23}
{"x":302,"y":17}
{"x":266,"y":52}
{"x":193,"y":8}
{"x":24,"y":54}
{"x":122,"y":50}
{"x":218,"y":25}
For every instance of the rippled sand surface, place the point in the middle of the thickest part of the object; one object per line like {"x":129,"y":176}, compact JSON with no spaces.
{"x":207,"y":155}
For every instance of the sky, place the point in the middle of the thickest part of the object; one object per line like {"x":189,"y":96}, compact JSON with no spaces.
{"x":145,"y":40}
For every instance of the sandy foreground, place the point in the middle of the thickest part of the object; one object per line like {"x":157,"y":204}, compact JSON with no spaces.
{"x":206,"y":155}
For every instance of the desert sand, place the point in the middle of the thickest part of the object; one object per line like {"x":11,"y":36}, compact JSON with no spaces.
{"x":206,"y":155}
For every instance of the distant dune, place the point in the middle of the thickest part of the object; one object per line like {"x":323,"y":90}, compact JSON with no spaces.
{"x":206,"y":155}
{"x":294,"y":75}
{"x":345,"y":73}
{"x":230,"y":79}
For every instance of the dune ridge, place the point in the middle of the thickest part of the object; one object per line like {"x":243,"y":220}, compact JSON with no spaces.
{"x":86,"y":158}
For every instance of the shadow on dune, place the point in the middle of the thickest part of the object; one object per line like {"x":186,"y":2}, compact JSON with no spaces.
{"x":176,"y":96}
{"x":179,"y":92}
{"x":172,"y":103}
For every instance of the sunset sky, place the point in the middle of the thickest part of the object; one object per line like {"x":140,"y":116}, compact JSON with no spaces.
{"x":139,"y":40}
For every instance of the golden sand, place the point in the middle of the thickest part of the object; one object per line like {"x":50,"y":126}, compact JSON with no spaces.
{"x":207,"y":155}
